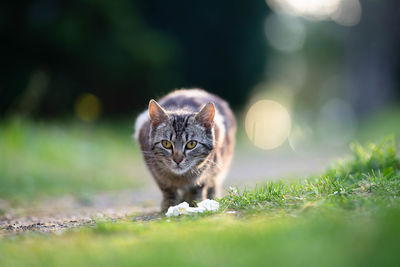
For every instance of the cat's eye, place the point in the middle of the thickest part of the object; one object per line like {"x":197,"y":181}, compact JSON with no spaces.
{"x":167,"y":144}
{"x":191,"y":144}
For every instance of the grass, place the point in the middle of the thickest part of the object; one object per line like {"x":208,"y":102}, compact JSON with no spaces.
{"x":374,"y":169}
{"x":348,"y":216}
{"x":48,"y":159}
{"x":320,"y":238}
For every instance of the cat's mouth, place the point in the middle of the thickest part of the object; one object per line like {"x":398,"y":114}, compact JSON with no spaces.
{"x":178,"y":169}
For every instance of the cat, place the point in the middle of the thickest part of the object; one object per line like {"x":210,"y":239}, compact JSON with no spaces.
{"x":187,"y":140}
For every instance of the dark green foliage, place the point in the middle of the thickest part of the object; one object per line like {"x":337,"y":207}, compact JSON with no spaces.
{"x":127,"y":51}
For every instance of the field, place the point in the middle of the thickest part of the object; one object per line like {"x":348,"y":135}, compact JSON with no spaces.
{"x":52,"y":159}
{"x":346,"y":216}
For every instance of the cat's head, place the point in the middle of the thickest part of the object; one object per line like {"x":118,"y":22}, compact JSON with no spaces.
{"x":181,"y":139}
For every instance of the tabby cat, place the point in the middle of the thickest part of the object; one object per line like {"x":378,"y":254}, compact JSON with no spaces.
{"x":187,"y":140}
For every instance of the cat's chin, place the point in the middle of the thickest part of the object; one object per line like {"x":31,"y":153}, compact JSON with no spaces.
{"x":178,"y":170}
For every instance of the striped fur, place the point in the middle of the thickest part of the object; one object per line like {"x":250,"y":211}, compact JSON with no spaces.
{"x":185,"y":174}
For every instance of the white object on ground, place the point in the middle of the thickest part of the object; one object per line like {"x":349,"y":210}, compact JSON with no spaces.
{"x":193,"y":210}
{"x":209,"y":205}
{"x":177,"y":210}
{"x":183,"y":208}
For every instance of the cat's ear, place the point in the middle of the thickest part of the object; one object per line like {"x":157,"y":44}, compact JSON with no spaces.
{"x":157,"y":113}
{"x":206,"y":115}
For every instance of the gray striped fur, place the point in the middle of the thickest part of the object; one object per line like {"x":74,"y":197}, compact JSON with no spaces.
{"x":200,"y":171}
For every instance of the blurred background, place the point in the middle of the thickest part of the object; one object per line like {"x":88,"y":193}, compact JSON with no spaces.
{"x":305,"y":78}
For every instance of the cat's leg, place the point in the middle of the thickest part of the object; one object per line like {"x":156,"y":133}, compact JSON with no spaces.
{"x":194,"y":193}
{"x":214,"y":185}
{"x":211,"y":192}
{"x":170,"y":198}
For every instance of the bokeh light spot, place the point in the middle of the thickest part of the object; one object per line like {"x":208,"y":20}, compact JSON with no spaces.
{"x":88,"y":107}
{"x":312,"y":9}
{"x":285,"y":33}
{"x":348,"y":13}
{"x":267,"y":124}
{"x":343,"y":12}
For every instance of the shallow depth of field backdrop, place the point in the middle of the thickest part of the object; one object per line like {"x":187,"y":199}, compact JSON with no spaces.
{"x":305,"y":78}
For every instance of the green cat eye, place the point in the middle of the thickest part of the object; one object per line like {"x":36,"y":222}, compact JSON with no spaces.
{"x":191,"y":144}
{"x":167,"y":144}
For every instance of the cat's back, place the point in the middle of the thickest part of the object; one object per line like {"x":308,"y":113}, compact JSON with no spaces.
{"x":194,"y":99}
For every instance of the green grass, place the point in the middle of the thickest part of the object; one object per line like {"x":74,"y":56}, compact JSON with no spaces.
{"x":47,"y":159}
{"x":373,"y":173}
{"x":323,"y":237}
{"x":349,"y":216}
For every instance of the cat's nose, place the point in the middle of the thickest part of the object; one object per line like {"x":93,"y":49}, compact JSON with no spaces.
{"x":177,"y":158}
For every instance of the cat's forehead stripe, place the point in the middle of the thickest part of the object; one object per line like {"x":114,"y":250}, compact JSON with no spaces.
{"x":179,"y":124}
